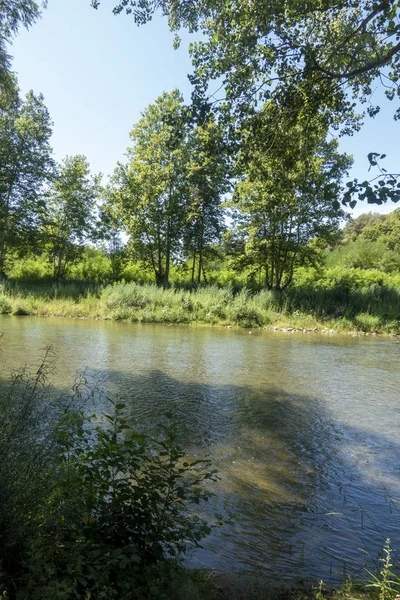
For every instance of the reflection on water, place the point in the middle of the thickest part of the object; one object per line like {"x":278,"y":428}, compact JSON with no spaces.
{"x":304,"y":430}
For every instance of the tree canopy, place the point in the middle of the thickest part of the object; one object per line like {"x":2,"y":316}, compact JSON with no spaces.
{"x":287,"y":196}
{"x":25,"y":167}
{"x":13,"y":15}
{"x":318,"y":47}
{"x":309,"y":57}
{"x":70,"y":220}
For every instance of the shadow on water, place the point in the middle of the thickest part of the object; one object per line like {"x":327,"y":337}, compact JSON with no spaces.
{"x":310,"y":497}
{"x":304,"y":433}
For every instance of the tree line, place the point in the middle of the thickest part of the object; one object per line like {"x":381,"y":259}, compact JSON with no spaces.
{"x":173,"y":195}
{"x":256,"y":172}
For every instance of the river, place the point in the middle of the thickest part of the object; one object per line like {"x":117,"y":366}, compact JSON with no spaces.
{"x":304,"y":429}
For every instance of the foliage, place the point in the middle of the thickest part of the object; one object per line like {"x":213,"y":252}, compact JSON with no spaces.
{"x":369,"y":242}
{"x":207,"y":180}
{"x":87,"y":507}
{"x":110,"y":240}
{"x":385,"y":230}
{"x":70,"y":220}
{"x":286,"y":198}
{"x":13,"y":15}
{"x":362,"y":254}
{"x":309,"y":51}
{"x":382,"y":187}
{"x":356,"y":226}
{"x":387,"y":583}
{"x":320,"y":59}
{"x":26,"y":165}
{"x":344,"y":299}
{"x":148,"y":192}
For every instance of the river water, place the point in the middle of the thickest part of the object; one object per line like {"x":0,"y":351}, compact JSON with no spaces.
{"x":304,"y":429}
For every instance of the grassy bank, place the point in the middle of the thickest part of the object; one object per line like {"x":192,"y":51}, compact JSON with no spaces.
{"x":373,"y":308}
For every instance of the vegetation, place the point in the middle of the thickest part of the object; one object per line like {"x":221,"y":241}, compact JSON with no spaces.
{"x":246,"y":190}
{"x":286,"y":198}
{"x":345,"y":300}
{"x":226,"y":211}
{"x":319,"y":61}
{"x":26,"y":165}
{"x":70,"y":217}
{"x":93,"y":507}
{"x":353,"y":285}
{"x":90,"y":506}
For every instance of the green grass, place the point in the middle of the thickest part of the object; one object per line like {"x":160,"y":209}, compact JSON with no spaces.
{"x":374,"y":308}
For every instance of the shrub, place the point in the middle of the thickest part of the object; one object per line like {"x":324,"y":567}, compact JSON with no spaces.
{"x":87,"y":507}
{"x":20,"y":311}
{"x":5,"y":305}
{"x":246,"y":316}
{"x":367,"y":322}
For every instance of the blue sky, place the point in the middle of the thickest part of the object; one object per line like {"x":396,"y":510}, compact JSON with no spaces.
{"x":98,"y":72}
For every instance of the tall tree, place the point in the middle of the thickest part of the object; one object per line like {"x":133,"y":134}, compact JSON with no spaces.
{"x":207,"y":179}
{"x":287,"y":195}
{"x":25,"y":166}
{"x":149,"y":190}
{"x":110,"y":237}
{"x":253,"y":46}
{"x":319,"y":56}
{"x":71,"y":212}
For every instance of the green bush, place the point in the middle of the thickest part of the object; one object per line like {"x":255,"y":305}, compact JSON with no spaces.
{"x":87,"y":508}
{"x":5,"y":305}
{"x":93,"y":266}
{"x":367,"y":322}
{"x":31,"y":267}
{"x":244,"y":311}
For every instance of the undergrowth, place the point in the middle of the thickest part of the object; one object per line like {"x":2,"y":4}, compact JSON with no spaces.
{"x":89,"y":506}
{"x":374,"y":308}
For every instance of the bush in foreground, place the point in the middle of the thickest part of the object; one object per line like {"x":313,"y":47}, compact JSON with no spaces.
{"x":89,"y":509}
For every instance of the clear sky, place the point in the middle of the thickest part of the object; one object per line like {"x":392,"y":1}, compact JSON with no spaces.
{"x":98,"y":71}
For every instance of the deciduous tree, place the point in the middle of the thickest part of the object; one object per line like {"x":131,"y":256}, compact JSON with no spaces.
{"x":25,"y":167}
{"x":287,"y":196}
{"x":149,"y":190}
{"x":13,"y":15}
{"x":71,"y":212}
{"x":207,"y":180}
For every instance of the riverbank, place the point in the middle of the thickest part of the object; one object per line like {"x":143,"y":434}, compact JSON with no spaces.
{"x":187,"y":584}
{"x":236,"y":586}
{"x":369,"y":312}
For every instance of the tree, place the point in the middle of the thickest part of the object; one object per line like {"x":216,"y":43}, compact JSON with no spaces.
{"x":356,"y":226}
{"x":148,"y":192}
{"x":70,"y":212}
{"x":207,"y":180}
{"x":25,"y":166}
{"x":386,"y":229}
{"x":287,"y":197}
{"x":13,"y":14}
{"x":319,"y":56}
{"x":110,"y":234}
{"x":254,"y":46}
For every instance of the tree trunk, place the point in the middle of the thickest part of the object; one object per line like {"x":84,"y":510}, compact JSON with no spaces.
{"x":193,"y":266}
{"x":167,"y":254}
{"x":3,"y":239}
{"x":159,"y":278}
{"x":200,"y":270}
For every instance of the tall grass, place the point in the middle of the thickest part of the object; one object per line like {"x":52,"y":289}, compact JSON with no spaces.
{"x":343,"y":306}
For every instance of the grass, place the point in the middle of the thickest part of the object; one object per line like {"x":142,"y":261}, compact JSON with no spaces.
{"x":247,"y":587}
{"x":371,"y":309}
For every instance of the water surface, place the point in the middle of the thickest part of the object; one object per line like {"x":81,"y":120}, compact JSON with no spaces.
{"x":305,"y":430}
